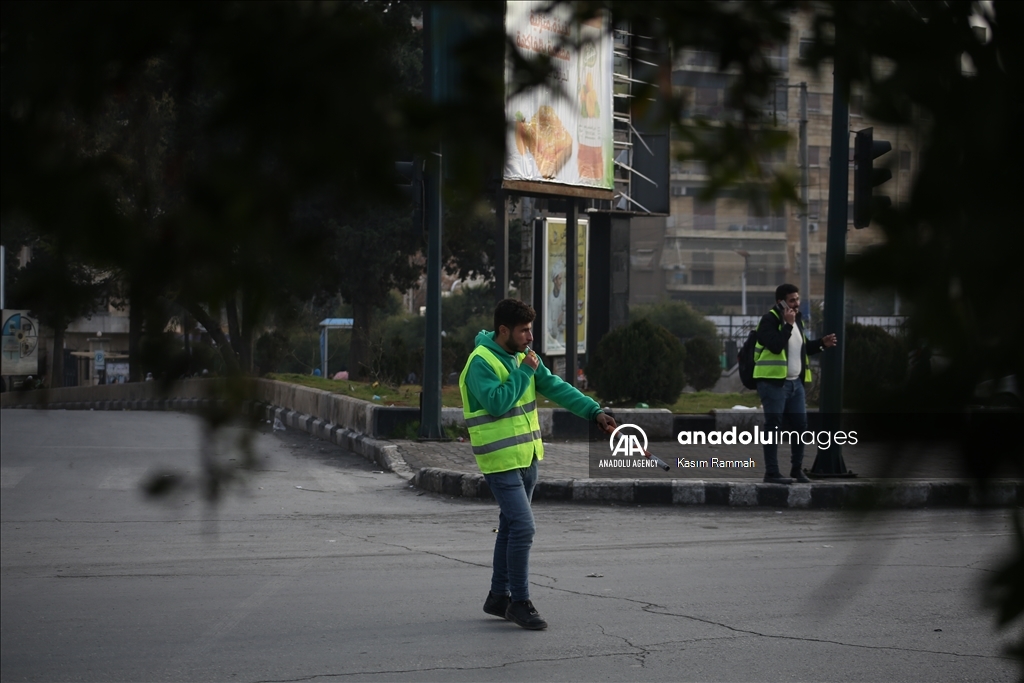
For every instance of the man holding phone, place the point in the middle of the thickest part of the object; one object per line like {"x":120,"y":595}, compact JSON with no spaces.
{"x":781,"y":368}
{"x":499,"y":388}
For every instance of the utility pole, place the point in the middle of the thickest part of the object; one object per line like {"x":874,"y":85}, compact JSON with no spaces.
{"x":571,"y":293}
{"x":805,"y":257}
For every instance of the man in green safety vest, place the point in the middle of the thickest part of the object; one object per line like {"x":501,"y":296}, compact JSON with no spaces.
{"x":781,"y":368}
{"x":499,"y":388}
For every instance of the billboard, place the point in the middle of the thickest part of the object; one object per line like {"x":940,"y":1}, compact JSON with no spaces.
{"x":560,"y":133}
{"x":556,"y":315}
{"x":20,"y":344}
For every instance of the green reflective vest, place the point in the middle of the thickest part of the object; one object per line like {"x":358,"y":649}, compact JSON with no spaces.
{"x":503,"y":442}
{"x":768,"y":365}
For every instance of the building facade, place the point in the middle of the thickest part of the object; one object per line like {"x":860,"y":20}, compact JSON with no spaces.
{"x":704,"y":250}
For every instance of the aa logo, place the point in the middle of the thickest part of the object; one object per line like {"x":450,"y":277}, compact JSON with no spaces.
{"x":628,"y":443}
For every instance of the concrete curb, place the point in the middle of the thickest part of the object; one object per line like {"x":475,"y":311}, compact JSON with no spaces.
{"x":383,"y":453}
{"x":817,"y":495}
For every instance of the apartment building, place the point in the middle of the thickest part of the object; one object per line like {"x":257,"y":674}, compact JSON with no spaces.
{"x":704,"y":250}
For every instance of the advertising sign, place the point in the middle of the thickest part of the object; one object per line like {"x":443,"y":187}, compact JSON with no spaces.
{"x":556,"y":317}
{"x":560,"y":133}
{"x":117,"y":372}
{"x":20,"y":344}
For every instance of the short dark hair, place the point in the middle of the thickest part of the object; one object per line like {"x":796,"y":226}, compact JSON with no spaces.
{"x":512,"y":312}
{"x":782,"y":291}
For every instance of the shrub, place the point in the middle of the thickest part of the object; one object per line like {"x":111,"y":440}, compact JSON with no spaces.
{"x":703,"y":364}
{"x":638,"y":362}
{"x":271,"y":352}
{"x":875,"y":364}
{"x":678,"y":317}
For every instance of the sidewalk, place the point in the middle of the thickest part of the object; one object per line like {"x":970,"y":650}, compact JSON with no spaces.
{"x":889,"y":478}
{"x":886,"y":477}
{"x":571,"y":460}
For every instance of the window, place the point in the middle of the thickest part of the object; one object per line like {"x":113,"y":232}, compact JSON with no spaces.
{"x":805,"y":47}
{"x":700,"y":58}
{"x":760,"y":277}
{"x":703,"y":215}
{"x":904,"y":159}
{"x":813,"y":102}
{"x":678,"y":190}
{"x":762,"y":219}
{"x":814,"y":210}
{"x":856,"y":105}
{"x":707,"y":97}
{"x":703,"y":258}
{"x":780,"y":101}
{"x":813,"y":155}
{"x":703,"y":277}
{"x":778,"y":57}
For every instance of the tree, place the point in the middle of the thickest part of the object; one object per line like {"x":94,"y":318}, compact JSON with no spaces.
{"x":371,"y":257}
{"x":57,"y":290}
{"x":254,"y":113}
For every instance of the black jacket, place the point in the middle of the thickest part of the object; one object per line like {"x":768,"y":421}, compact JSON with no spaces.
{"x":775,"y":338}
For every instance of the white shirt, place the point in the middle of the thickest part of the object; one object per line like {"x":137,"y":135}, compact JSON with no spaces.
{"x":556,"y":316}
{"x":793,"y":357}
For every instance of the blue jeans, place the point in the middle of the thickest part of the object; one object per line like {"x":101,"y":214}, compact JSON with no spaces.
{"x":783,"y":402}
{"x":513,"y":490}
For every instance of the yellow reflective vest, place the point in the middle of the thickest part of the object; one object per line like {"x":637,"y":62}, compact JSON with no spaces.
{"x":503,"y":442}
{"x":768,"y":365}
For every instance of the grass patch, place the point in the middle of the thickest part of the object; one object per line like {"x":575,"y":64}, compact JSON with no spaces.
{"x":698,"y":402}
{"x":409,"y":395}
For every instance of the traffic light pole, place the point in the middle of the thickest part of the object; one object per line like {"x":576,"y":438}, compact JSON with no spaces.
{"x":434,"y":53}
{"x":829,"y":461}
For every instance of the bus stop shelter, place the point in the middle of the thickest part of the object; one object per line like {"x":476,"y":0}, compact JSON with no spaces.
{"x":325,"y":325}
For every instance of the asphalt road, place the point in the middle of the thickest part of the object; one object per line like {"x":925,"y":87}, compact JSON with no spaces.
{"x":322,"y":569}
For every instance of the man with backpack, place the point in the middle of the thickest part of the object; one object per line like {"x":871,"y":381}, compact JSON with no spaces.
{"x":781,"y":368}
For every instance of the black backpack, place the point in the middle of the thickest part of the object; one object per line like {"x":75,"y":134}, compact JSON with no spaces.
{"x":746,"y":361}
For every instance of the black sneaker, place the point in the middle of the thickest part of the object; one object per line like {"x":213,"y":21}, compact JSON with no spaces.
{"x":800,"y":477}
{"x":497,"y":604}
{"x":525,"y":614}
{"x":777,"y":479}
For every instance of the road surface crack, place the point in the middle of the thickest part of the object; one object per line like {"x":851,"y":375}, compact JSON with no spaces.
{"x":808,"y":639}
{"x":385,"y":672}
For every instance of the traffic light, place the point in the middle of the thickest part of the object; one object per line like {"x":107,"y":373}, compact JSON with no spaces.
{"x":410,"y":184}
{"x":866,"y":177}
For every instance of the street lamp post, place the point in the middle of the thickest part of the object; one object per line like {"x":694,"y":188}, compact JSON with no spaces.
{"x":743,"y":279}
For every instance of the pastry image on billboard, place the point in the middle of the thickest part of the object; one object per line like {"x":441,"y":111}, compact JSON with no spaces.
{"x":546,"y":139}
{"x":589,"y":155}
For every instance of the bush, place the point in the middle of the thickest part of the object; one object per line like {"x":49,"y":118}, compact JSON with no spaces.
{"x":875,"y":364}
{"x":638,"y":362}
{"x":678,"y":317}
{"x":271,"y":352}
{"x":390,"y":361}
{"x":703,"y":365}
